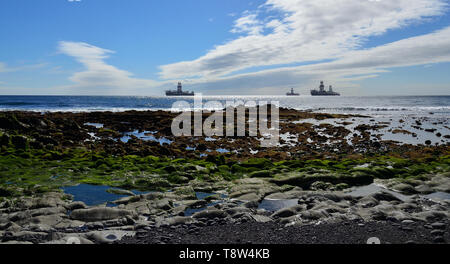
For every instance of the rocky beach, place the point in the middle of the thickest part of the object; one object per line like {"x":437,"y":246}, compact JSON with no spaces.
{"x":122,"y":177}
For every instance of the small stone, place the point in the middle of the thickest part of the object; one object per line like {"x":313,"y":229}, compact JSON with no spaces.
{"x":438,"y":226}
{"x":437,"y":233}
{"x":439,"y":239}
{"x":407,"y":222}
{"x":406,"y":228}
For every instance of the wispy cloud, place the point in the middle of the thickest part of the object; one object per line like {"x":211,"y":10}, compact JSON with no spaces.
{"x":98,"y":73}
{"x":283,"y":32}
{"x":6,"y":68}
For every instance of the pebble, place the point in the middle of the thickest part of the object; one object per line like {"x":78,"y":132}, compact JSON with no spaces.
{"x":438,"y":226}
{"x":407,"y":222}
{"x":439,"y":239}
{"x":437,"y":233}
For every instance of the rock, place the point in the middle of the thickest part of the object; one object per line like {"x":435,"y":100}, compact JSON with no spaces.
{"x":120,"y":192}
{"x":429,"y":216}
{"x":48,"y":211}
{"x":261,"y":218}
{"x":19,"y":142}
{"x":236,"y":210}
{"x":94,"y":225}
{"x":424,"y":189}
{"x":251,"y":204}
{"x":210,"y":214}
{"x":13,"y":242}
{"x":260,"y":174}
{"x":314,"y":214}
{"x":437,"y":232}
{"x":75,"y":205}
{"x":99,"y":214}
{"x":405,"y":188}
{"x":320,"y":185}
{"x":439,"y":239}
{"x":248,"y":197}
{"x":163,"y":204}
{"x":384,"y":196}
{"x":285,"y":212}
{"x":108,"y":236}
{"x":48,"y":200}
{"x":438,"y":225}
{"x":407,"y":222}
{"x":368,"y":202}
{"x":180,"y":220}
{"x":30,"y":236}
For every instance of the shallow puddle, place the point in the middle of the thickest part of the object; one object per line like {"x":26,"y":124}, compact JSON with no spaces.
{"x":146,"y":136}
{"x":273,"y":205}
{"x":94,"y":194}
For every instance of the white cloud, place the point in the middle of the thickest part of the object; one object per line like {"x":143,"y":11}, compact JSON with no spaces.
{"x":349,"y":67}
{"x":98,"y":74}
{"x":291,"y":31}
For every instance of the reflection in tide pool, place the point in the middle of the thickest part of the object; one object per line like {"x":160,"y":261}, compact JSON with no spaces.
{"x":94,"y":194}
{"x":146,"y":136}
{"x":273,"y":205}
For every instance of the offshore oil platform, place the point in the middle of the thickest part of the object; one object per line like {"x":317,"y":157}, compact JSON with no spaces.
{"x":179,"y":92}
{"x":292,"y":93}
{"x":323,"y":92}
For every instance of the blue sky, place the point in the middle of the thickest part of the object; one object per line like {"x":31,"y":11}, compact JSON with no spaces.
{"x":142,"y":47}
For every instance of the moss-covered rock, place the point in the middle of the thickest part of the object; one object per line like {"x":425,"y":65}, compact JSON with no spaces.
{"x":260,"y":174}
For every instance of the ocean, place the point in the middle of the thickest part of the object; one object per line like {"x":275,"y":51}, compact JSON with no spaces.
{"x":399,"y":112}
{"x":371,"y":105}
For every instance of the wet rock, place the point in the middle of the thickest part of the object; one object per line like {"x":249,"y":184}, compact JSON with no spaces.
{"x":251,"y":204}
{"x":210,"y":214}
{"x":285,"y":212}
{"x":261,"y":218}
{"x":236,"y":210}
{"x":368,"y":202}
{"x":248,"y":197}
{"x":314,"y":214}
{"x":438,"y":225}
{"x":129,"y":199}
{"x":29,"y":236}
{"x":439,"y":239}
{"x":424,"y":189}
{"x":260,"y":174}
{"x":107,"y":236}
{"x":180,"y":220}
{"x":430,"y":216}
{"x":437,"y":233}
{"x":405,"y":188}
{"x":48,"y":200}
{"x":75,"y":205}
{"x":384,"y":196}
{"x":99,"y":214}
{"x":120,"y":192}
{"x":48,"y":211}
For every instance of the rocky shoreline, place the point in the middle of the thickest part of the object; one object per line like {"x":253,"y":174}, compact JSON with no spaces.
{"x":310,"y":189}
{"x":160,"y":218}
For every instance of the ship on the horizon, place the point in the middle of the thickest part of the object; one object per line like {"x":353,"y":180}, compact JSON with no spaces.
{"x":292,"y":93}
{"x":323,"y":92}
{"x":179,"y":92}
